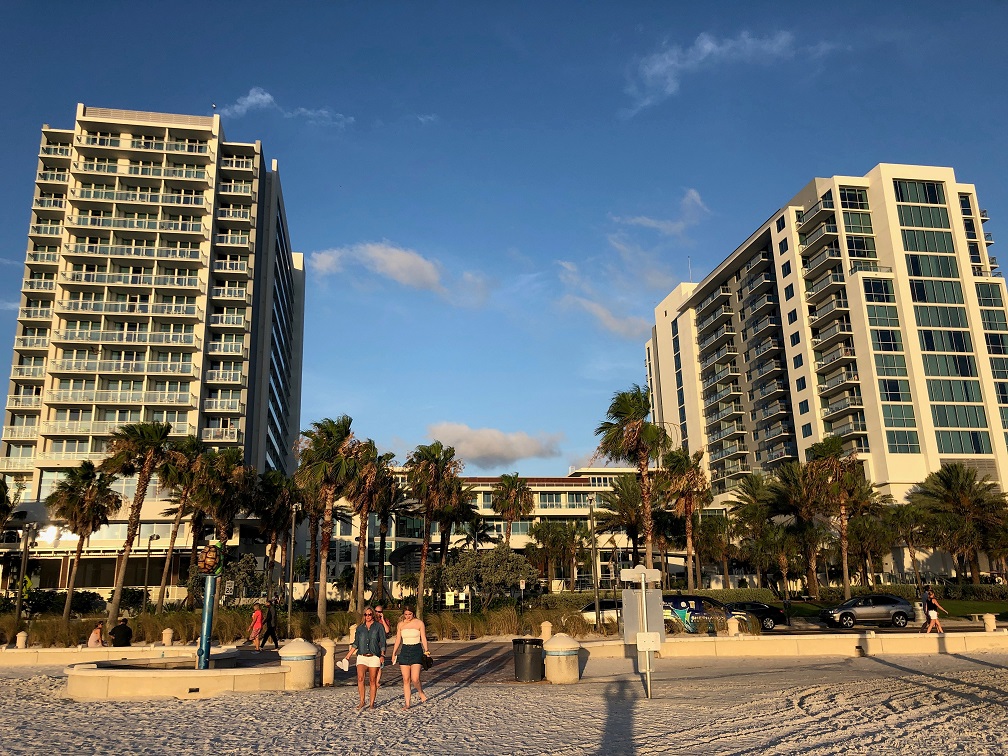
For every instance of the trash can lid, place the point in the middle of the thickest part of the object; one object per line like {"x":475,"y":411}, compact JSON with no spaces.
{"x":527,"y":642}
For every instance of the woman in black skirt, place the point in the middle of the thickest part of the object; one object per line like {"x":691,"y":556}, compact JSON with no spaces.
{"x":410,"y":647}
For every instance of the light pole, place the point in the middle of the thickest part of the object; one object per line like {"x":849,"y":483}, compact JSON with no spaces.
{"x":290,"y":571}
{"x":595,"y":580}
{"x":27,"y":535}
{"x":151,"y":537}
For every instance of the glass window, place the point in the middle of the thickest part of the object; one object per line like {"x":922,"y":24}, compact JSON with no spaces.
{"x":780,"y":223}
{"x":958,"y":416}
{"x":795,"y":338}
{"x":782,"y":246}
{"x":938,"y":292}
{"x":916,"y":216}
{"x":989,"y":295}
{"x":886,"y":340}
{"x":792,"y":316}
{"x":879,"y":290}
{"x":964,"y":204}
{"x":950,"y":364}
{"x":894,"y":390}
{"x":1000,"y":367}
{"x":786,"y":269}
{"x":861,"y":246}
{"x":806,"y":430}
{"x":852,"y":198}
{"x":857,"y":223}
{"x":963,"y":442}
{"x":902,"y":442}
{"x":997,"y":343}
{"x":789,"y":292}
{"x":890,"y":364}
{"x":942,"y":317}
{"x":994,"y":320}
{"x":803,"y":407}
{"x":899,"y":416}
{"x":932,"y":266}
{"x":800,"y":384}
{"x":798,"y":360}
{"x":954,"y":391}
{"x":927,"y":241}
{"x":921,"y":192}
{"x":945,"y":341}
{"x":882,"y":315}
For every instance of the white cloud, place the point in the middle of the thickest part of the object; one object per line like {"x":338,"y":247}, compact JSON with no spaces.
{"x":659,"y":75}
{"x":10,"y":305}
{"x":691,"y":210}
{"x":259,"y":99}
{"x":489,"y":447}
{"x":629,"y":327}
{"x":426,"y":118}
{"x":404,"y":266}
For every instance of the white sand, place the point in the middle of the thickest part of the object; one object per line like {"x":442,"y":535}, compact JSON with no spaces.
{"x":953,"y":704}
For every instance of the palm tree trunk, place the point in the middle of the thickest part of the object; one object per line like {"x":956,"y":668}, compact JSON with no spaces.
{"x":975,"y":566}
{"x":197,"y":530}
{"x":133,"y":526}
{"x":168,"y":558}
{"x":507,"y":532}
{"x":844,"y":566}
{"x":782,"y":564}
{"x":664,"y":565}
{"x":313,"y":554}
{"x":327,"y":526}
{"x":913,"y":562}
{"x":445,"y":537}
{"x":724,"y":570}
{"x":812,"y":576}
{"x":690,"y":580}
{"x":383,"y":534}
{"x":421,"y":577}
{"x":362,"y":546}
{"x":73,"y":579}
{"x":645,"y":473}
{"x":698,"y":575}
{"x":271,"y":561}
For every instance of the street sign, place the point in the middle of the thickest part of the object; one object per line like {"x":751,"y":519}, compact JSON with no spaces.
{"x":521,"y":584}
{"x":229,"y":587}
{"x":649,"y":641}
{"x":635,"y":574}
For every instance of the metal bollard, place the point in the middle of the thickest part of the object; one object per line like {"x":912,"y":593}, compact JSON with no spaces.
{"x":562,"y":663}
{"x":328,"y":661}
{"x":547,"y":630}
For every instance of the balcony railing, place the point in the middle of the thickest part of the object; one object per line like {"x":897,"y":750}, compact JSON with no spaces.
{"x":232,"y":240}
{"x":213,"y":435}
{"x":35,"y":313}
{"x":838,"y":380}
{"x":129,"y":337}
{"x":223,"y":405}
{"x":728,"y":451}
{"x":20,"y":432}
{"x":56,"y":150}
{"x":848,"y":402}
{"x":225,"y":376}
{"x":825,"y":203}
{"x":40,"y":229}
{"x":129,"y":308}
{"x":53,"y":177}
{"x":104,"y":250}
{"x":227,"y":321}
{"x":50,"y":202}
{"x":784,"y":451}
{"x":101,"y":428}
{"x":236,"y":188}
{"x":230,"y":266}
{"x":227,"y":347}
{"x":24,"y":402}
{"x":234,"y":214}
{"x":28,"y":371}
{"x":229,"y":292}
{"x":730,"y":430}
{"x":722,"y":291}
{"x":837,"y":354}
{"x":31,"y":342}
{"x":120,"y":397}
{"x":719,"y":375}
{"x":17,"y":463}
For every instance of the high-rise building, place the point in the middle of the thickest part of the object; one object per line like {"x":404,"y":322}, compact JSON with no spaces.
{"x":869,"y":308}
{"x":159,"y":285}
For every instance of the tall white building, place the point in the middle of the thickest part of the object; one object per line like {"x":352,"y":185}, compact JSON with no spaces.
{"x":159,"y":284}
{"x":867,"y":307}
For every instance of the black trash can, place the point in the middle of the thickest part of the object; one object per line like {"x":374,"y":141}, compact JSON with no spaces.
{"x":530,"y":665}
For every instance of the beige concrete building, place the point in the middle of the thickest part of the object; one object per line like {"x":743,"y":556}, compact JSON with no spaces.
{"x":867,"y":307}
{"x":160,"y":284}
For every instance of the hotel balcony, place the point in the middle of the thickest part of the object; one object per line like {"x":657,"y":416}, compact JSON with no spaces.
{"x":232,"y":266}
{"x":721,"y":394}
{"x":49,"y":203}
{"x":868,"y":266}
{"x":24,"y":402}
{"x":31,"y":343}
{"x":752,"y":310}
{"x":727,"y":353}
{"x":766,"y":368}
{"x":45,"y":229}
{"x":224,"y":405}
{"x":233,"y":240}
{"x":720,"y":375}
{"x":20,"y":432}
{"x":823,"y":235}
{"x":221,"y":435}
{"x":129,"y":337}
{"x":74,"y":396}
{"x":227,"y":347}
{"x":53,"y":177}
{"x":776,"y":431}
{"x":177,"y":282}
{"x":852,"y":428}
{"x":829,"y":311}
{"x":100,"y":428}
{"x":736,"y":469}
{"x":724,"y":413}
{"x":17,"y":464}
{"x":761,"y":328}
{"x":767,"y":346}
{"x":55,"y":150}
{"x":237,"y":163}
{"x":106,"y":279}
{"x":824,"y":287}
{"x":759,"y":261}
{"x":772,"y":410}
{"x":817,"y":213}
{"x":818,"y":262}
{"x":782,"y":452}
{"x":28,"y":372}
{"x":231,"y":294}
{"x":235,"y":188}
{"x":757,"y":283}
{"x":105,"y":250}
{"x":836,"y":383}
{"x":37,"y":258}
{"x":845,"y":406}
{"x":228,"y":322}
{"x":727,"y":431}
{"x":162,"y":309}
{"x":721,"y":315}
{"x":713,"y":340}
{"x":183,"y":227}
{"x":734,"y":450}
{"x":832,"y":334}
{"x":721,"y":292}
{"x":769,"y":389}
{"x":235,"y":214}
{"x":836,"y":358}
{"x":236,"y":377}
{"x":38,"y":284}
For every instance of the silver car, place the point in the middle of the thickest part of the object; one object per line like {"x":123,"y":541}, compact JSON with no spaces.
{"x":874,"y":608}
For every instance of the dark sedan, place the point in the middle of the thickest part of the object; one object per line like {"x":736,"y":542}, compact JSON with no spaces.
{"x":769,"y":616}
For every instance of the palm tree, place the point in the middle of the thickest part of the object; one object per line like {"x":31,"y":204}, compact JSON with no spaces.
{"x":907,"y":521}
{"x":717,"y":536}
{"x":273,"y":505}
{"x":512,"y":500}
{"x":971,"y":510}
{"x":227,"y":489}
{"x":371,"y":472}
{"x":6,"y":504}
{"x":458,"y":508}
{"x":689,"y":491}
{"x":628,"y":436}
{"x":140,"y":449}
{"x":326,"y":466}
{"x":751,"y":512}
{"x":477,"y":531}
{"x":180,"y":474}
{"x":430,"y":470}
{"x":619,"y":511}
{"x":782,"y":543}
{"x":549,"y":547}
{"x":84,"y":500}
{"x":390,"y":506}
{"x":800,"y":497}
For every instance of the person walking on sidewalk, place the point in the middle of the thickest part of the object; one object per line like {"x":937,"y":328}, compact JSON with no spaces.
{"x":410,"y":648}
{"x":369,"y":645}
{"x":255,"y":628}
{"x":933,"y":613}
{"x":270,"y":625}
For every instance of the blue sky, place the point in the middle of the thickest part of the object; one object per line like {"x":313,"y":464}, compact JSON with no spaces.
{"x":492,"y":197}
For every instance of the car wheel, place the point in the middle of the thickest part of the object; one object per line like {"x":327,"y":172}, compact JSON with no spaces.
{"x":899,"y":619}
{"x":768,"y":623}
{"x":847,"y":620}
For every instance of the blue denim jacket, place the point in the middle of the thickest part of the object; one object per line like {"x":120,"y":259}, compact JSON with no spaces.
{"x":371,"y":641}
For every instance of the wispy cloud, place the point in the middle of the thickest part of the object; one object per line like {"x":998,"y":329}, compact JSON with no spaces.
{"x":259,"y":99}
{"x":691,"y":211}
{"x":427,"y":118}
{"x":658,"y":76}
{"x":10,"y":305}
{"x":489,"y":447}
{"x":404,"y":266}
{"x":629,"y":327}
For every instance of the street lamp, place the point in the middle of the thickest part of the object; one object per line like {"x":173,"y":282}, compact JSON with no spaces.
{"x":27,"y":537}
{"x":595,"y":580}
{"x":290,"y":570}
{"x":151,"y":537}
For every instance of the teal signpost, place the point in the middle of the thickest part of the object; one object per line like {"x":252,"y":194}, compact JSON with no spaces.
{"x":210,"y":563}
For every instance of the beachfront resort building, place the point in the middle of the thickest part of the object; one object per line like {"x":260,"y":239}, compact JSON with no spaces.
{"x":159,"y":285}
{"x":867,"y":307}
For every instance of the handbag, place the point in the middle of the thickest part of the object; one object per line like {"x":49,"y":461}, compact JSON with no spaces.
{"x":426,"y":661}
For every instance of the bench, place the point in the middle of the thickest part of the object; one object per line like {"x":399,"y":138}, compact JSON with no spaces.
{"x":975,"y":617}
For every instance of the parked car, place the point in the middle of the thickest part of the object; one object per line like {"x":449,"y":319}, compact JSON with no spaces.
{"x":684,"y":604}
{"x":609,"y":609}
{"x":874,"y":608}
{"x":769,"y":616}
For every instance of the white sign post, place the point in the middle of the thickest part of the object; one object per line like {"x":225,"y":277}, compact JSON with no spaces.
{"x":647,"y":642}
{"x":229,"y":586}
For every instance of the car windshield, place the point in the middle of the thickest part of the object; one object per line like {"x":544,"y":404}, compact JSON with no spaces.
{"x":849,"y":603}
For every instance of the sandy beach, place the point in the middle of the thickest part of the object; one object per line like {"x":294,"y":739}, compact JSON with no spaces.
{"x":944,"y":703}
